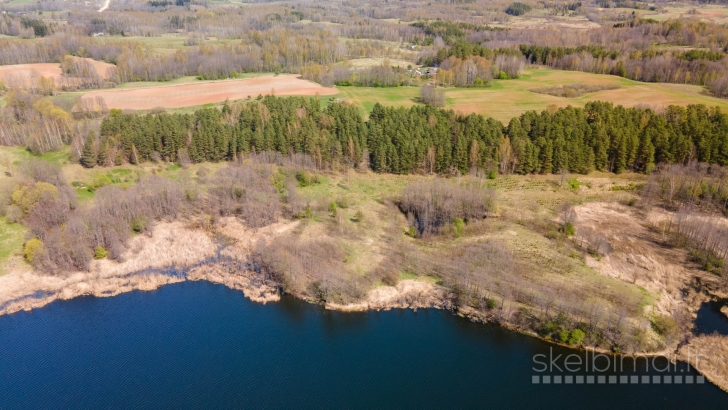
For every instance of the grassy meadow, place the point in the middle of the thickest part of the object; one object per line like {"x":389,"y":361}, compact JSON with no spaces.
{"x":510,"y":98}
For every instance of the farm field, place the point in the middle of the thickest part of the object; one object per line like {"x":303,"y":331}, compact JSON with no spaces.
{"x":366,"y":97}
{"x":185,"y":95}
{"x":509,"y":98}
{"x":25,"y":74}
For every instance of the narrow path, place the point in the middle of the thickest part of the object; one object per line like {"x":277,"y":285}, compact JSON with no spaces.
{"x":105,"y":6}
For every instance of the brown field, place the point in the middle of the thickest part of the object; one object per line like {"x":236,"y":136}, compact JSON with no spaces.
{"x":101,"y":67}
{"x":23,"y":75}
{"x":186,"y":95}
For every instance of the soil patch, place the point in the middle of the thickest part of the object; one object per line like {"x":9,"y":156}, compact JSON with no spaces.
{"x":187,"y":95}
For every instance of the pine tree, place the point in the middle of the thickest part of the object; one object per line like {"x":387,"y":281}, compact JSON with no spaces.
{"x":103,"y":156}
{"x":88,"y":155}
{"x":645,"y":161}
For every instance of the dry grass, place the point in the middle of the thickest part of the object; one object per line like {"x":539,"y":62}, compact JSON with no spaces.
{"x":713,"y":359}
{"x":373,"y":62}
{"x":172,"y":244}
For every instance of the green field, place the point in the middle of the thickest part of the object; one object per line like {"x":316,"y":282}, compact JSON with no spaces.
{"x":167,"y":44}
{"x":366,"y":97}
{"x":510,"y":98}
{"x":11,"y":242}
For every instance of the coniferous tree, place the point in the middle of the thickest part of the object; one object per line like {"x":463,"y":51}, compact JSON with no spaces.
{"x":103,"y":156}
{"x":88,"y":155}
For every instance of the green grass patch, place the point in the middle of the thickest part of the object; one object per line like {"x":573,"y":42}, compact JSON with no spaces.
{"x":11,"y":242}
{"x":506,"y":99}
{"x":84,"y":195}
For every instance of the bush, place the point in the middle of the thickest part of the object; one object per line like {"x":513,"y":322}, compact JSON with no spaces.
{"x":518,"y":9}
{"x":13,"y":214}
{"x":26,"y":196}
{"x":306,"y":214}
{"x":390,"y":278}
{"x":574,"y":184}
{"x":100,"y":252}
{"x":412,"y":232}
{"x":663,"y":324}
{"x":491,"y":304}
{"x":569,"y":229}
{"x":342,"y":202}
{"x":305,"y":179}
{"x":458,"y":226}
{"x":358,"y":216}
{"x":576,"y":337}
{"x":31,"y":249}
{"x":431,"y":95}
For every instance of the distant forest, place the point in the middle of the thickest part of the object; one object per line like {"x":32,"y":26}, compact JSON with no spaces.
{"x":421,"y":139}
{"x":225,"y":42}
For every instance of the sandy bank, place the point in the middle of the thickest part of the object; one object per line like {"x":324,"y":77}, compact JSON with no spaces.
{"x":146,"y":266}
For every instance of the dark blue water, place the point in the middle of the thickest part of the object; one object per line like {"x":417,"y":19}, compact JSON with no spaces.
{"x":199,"y":345}
{"x":710,"y":319}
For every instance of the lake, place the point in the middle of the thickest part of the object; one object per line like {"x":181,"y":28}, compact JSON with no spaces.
{"x":200,"y":345}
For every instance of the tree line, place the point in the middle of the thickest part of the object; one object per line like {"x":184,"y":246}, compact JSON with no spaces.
{"x":422,"y":139}
{"x":625,"y":50}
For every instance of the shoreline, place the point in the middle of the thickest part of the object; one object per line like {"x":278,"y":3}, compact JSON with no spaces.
{"x":407,"y":294}
{"x":181,"y":251}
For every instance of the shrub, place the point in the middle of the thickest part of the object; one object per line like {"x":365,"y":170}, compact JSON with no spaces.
{"x":458,"y":226}
{"x":305,"y":179}
{"x":307,"y":213}
{"x":569,"y":229}
{"x":342,"y":202}
{"x":13,"y":214}
{"x":100,"y":252}
{"x":574,"y":184}
{"x":663,"y":324}
{"x":27,"y":196}
{"x":359,"y":216}
{"x":390,"y":278}
{"x":412,"y":231}
{"x":576,"y":337}
{"x":31,"y":249}
{"x":518,"y":9}
{"x":491,"y":304}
